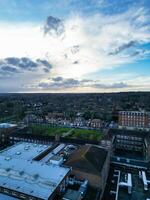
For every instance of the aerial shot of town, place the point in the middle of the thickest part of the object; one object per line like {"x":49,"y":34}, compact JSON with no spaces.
{"x":74,"y":99}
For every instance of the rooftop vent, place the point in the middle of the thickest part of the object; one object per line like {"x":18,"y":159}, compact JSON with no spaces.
{"x":21,"y":173}
{"x":18,"y":153}
{"x":7,"y":169}
{"x":36,"y":176}
{"x":8,"y":158}
{"x":39,"y":150}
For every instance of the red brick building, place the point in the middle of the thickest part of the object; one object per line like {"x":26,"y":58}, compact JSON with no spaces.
{"x":134,"y":119}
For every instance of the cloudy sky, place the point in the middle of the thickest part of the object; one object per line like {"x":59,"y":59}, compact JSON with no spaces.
{"x":74,"y":45}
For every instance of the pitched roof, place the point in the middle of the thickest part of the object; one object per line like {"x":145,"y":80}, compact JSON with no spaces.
{"x":88,"y":158}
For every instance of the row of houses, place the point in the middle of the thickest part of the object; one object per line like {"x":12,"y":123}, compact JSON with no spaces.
{"x":76,"y":122}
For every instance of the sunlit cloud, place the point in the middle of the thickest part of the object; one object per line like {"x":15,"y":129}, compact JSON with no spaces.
{"x":75,"y":47}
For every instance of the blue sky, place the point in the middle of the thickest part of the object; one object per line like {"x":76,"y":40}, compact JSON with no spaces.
{"x":38,"y":10}
{"x":74,"y":45}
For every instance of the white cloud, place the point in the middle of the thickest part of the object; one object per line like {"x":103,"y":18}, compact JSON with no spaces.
{"x":88,"y":45}
{"x":98,"y":36}
{"x":20,"y":40}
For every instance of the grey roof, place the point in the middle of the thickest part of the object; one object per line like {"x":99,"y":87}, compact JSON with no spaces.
{"x":88,"y":158}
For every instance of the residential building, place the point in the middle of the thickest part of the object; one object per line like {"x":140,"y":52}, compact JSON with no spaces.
{"x":95,"y":123}
{"x":134,"y":119}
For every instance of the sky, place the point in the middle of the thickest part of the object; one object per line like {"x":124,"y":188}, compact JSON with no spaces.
{"x":74,"y":45}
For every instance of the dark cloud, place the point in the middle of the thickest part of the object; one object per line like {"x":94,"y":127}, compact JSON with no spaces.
{"x":86,"y":81}
{"x":12,"y":60}
{"x":44,"y":85}
{"x":45,"y":63}
{"x":76,"y":62}
{"x":65,"y":56}
{"x":75,"y":49}
{"x":110,"y":86}
{"x":61,"y":83}
{"x":46,"y":70}
{"x":141,"y":53}
{"x":26,"y":63}
{"x":54,"y":26}
{"x":65,"y":83}
{"x":123,"y":47}
{"x":15,"y":65}
{"x":71,"y":83}
{"x":8,"y":69}
{"x":57,"y":79}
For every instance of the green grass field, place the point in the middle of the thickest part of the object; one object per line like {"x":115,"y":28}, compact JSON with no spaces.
{"x":74,"y":133}
{"x":86,"y":134}
{"x":47,"y":130}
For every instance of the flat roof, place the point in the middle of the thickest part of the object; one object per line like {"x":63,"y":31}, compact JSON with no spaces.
{"x":24,"y":150}
{"x":30,"y":177}
{"x":6,"y":197}
{"x":137,"y":189}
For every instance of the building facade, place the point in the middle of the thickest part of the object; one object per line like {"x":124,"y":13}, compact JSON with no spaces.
{"x":5,"y":131}
{"x":134,"y":119}
{"x":131,"y":141}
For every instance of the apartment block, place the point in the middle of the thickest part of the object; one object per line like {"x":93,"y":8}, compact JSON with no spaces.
{"x":134,"y":119}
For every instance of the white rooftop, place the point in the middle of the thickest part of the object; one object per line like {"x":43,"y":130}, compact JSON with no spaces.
{"x":24,"y":150}
{"x":7,"y":125}
{"x":30,"y":177}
